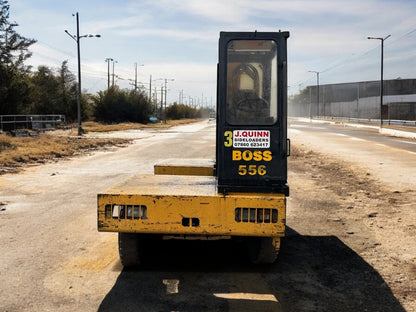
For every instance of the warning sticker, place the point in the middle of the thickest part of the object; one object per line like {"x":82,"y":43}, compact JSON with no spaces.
{"x":251,"y":138}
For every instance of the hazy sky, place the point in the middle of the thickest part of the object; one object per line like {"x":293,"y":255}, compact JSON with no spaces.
{"x":178,"y":39}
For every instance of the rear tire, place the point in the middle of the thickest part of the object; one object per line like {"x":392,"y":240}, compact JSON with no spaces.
{"x":129,"y":249}
{"x":262,"y":250}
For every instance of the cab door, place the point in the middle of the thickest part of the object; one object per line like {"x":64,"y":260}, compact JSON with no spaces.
{"x":252,"y":144}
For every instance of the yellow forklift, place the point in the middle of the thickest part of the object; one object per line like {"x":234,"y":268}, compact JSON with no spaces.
{"x":242,"y":194}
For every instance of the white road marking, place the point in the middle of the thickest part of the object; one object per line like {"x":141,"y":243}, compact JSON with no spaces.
{"x":306,"y":126}
{"x":357,"y":139}
{"x":406,"y":142}
{"x":247,"y":296}
{"x":294,"y":131}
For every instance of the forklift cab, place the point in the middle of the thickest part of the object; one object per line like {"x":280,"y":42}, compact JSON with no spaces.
{"x":252,"y":144}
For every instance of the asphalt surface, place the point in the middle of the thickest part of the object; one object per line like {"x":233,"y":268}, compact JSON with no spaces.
{"x":362,"y":132}
{"x":392,"y":159}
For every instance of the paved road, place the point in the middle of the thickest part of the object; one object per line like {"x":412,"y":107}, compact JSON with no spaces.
{"x":356,"y":132}
{"x":51,"y":254}
{"x":53,"y":259}
{"x":382,"y":155}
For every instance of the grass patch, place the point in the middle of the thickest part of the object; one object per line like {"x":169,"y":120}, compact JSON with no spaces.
{"x":15,"y":152}
{"x":6,"y":144}
{"x":92,"y":126}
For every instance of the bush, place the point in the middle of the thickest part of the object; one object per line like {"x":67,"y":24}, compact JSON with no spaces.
{"x":115,"y":105}
{"x":180,"y":111}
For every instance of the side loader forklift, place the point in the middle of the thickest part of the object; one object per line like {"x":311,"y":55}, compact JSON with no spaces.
{"x":240,"y":195}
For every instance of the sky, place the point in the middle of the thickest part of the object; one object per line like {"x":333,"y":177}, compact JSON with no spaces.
{"x":177,"y":40}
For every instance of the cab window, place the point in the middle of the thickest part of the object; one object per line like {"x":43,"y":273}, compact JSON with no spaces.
{"x":251,"y":82}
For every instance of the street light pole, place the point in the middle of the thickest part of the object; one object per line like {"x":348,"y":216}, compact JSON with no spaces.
{"x":317,"y":88}
{"x":79,"y":80}
{"x":381,"y":76}
{"x":77,"y":40}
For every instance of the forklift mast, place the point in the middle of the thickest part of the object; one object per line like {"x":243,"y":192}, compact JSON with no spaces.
{"x":252,"y":145}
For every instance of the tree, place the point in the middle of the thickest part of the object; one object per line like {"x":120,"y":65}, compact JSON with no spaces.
{"x":13,"y":73}
{"x":44,"y":93}
{"x":14,"y":91}
{"x":115,"y":105}
{"x":68,"y":93}
{"x":14,"y":48}
{"x":179,"y":111}
{"x":140,"y":107}
{"x":53,"y":92}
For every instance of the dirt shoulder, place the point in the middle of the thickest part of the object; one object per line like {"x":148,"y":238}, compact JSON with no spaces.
{"x":38,"y":148}
{"x":18,"y":152}
{"x":350,"y":247}
{"x":91,"y":126}
{"x":337,"y":198}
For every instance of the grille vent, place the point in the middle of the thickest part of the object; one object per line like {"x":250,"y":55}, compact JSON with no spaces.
{"x":256,"y":215}
{"x":134,"y":212}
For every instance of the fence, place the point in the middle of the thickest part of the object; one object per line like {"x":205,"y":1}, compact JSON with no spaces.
{"x":358,"y":100}
{"x":32,"y":122}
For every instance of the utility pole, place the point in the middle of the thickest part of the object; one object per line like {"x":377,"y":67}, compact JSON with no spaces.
{"x":310,"y":104}
{"x":164,"y":103}
{"x":161,"y":100}
{"x":108,"y":72}
{"x":77,"y":39}
{"x":135,"y":79}
{"x":166,"y":93}
{"x":135,"y":76}
{"x":317,"y":87}
{"x":155,"y":101}
{"x":79,"y":80}
{"x":180,"y":96}
{"x":150,"y":88}
{"x":113,"y":71}
{"x":381,"y":74}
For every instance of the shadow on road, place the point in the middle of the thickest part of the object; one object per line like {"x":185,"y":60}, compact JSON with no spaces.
{"x":313,"y":273}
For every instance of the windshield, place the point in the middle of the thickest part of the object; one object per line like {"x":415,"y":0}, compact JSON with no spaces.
{"x":251,"y":82}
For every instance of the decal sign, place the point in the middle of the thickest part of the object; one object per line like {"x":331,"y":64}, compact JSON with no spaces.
{"x":251,"y":138}
{"x":244,"y":139}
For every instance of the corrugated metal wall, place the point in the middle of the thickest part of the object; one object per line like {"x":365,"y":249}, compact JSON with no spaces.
{"x":358,"y":100}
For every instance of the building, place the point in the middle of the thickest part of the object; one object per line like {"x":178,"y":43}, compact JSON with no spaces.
{"x":357,"y":100}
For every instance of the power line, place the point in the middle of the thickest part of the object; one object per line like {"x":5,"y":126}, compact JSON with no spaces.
{"x":348,"y":60}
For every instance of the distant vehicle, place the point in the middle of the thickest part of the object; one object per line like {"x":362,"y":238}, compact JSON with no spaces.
{"x":242,"y":195}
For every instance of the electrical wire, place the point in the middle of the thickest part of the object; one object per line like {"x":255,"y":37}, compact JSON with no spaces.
{"x":348,"y":60}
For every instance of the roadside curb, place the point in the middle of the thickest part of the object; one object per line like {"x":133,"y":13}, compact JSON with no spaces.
{"x":383,"y":131}
{"x":398,"y":133}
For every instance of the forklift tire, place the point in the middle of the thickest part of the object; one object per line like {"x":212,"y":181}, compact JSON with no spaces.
{"x":261,"y":250}
{"x":129,"y":249}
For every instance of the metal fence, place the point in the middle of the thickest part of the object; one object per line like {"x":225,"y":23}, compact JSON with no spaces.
{"x":358,"y":100}
{"x":31,"y":122}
